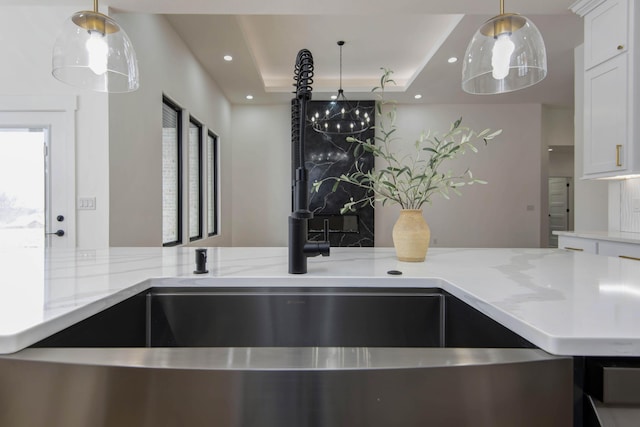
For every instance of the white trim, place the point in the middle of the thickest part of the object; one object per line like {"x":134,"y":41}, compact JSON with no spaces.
{"x":582,"y":7}
{"x":32,"y":103}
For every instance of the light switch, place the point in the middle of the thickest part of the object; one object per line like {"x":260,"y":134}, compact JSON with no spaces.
{"x":87,"y":204}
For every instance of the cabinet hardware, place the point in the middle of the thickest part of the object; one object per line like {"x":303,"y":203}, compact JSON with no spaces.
{"x":620,"y":47}
{"x":618,"y":148}
{"x":574,"y":249}
{"x":629,"y":257}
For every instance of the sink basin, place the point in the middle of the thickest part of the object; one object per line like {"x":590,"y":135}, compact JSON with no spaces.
{"x":281,"y":356}
{"x":286,"y":317}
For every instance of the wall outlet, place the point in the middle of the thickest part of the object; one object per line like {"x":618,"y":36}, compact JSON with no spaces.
{"x":87,"y":204}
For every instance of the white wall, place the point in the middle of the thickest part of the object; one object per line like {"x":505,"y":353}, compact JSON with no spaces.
{"x":491,"y":215}
{"x":26,"y":45}
{"x":590,"y":196}
{"x":261,"y":174}
{"x":135,"y":141}
{"x":561,"y":163}
{"x":558,"y":133}
{"x":558,"y":125}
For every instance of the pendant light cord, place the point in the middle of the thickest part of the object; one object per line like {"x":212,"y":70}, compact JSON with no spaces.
{"x":340,"y":91}
{"x":95,"y":6}
{"x":501,"y":7}
{"x":341,"y":68}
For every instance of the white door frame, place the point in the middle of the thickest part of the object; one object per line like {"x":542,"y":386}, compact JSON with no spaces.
{"x":65,"y":107}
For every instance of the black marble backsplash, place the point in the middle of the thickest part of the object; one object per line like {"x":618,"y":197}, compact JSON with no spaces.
{"x":331,"y":155}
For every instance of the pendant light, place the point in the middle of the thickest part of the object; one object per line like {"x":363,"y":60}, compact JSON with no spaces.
{"x":93,"y":52}
{"x":341,"y":117}
{"x":507,"y":53}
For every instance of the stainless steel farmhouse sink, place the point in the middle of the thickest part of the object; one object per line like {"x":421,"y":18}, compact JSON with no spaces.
{"x":289,"y":317}
{"x":285,"y":356}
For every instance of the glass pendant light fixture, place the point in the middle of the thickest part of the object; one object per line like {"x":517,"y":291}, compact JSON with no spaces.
{"x":507,"y":53}
{"x":93,"y":52}
{"x":340,"y":117}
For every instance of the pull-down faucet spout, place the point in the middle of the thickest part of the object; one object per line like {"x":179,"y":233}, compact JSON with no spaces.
{"x":299,"y":247}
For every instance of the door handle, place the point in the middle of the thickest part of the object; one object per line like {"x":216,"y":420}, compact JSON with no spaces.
{"x":618,"y":148}
{"x":58,"y":233}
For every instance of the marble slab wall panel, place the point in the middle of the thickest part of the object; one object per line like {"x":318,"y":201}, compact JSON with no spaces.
{"x":331,"y":155}
{"x":630,"y":205}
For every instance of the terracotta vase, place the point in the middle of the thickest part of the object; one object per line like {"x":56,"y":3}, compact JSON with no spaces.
{"x":411,"y":236}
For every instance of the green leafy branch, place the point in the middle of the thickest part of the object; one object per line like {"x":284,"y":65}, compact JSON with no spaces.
{"x":411,"y":180}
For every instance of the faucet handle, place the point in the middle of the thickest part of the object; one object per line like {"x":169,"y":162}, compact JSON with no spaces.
{"x":325,"y":230}
{"x":325,"y":247}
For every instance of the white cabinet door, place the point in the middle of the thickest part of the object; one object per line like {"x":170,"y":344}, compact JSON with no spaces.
{"x":605,"y":32}
{"x":578,"y":244}
{"x":622,"y":250}
{"x":605,"y":114}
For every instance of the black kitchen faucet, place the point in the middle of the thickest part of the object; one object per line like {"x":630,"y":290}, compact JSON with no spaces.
{"x":299,"y":247}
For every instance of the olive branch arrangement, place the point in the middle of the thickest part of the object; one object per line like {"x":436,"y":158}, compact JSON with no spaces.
{"x":412,"y":179}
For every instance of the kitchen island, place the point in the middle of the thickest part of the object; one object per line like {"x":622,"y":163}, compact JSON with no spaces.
{"x":565,"y":303}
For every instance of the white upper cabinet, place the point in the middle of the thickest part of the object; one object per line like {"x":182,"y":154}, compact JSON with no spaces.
{"x":610,"y":105}
{"x":605,"y":32}
{"x":605,"y":117}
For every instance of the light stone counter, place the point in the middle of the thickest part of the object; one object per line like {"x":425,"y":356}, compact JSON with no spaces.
{"x":565,"y":303}
{"x":611,"y":236}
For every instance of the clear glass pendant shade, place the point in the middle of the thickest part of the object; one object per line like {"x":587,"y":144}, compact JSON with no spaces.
{"x":507,"y":53}
{"x":93,"y":52}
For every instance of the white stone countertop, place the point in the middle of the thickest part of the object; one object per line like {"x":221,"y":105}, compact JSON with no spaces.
{"x":564,"y":302}
{"x":612,"y":236}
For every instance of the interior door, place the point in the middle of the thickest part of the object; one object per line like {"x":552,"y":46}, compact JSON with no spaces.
{"x":37,"y":185}
{"x":559,"y":207}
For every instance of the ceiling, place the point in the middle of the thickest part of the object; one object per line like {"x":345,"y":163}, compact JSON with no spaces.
{"x":414,"y":38}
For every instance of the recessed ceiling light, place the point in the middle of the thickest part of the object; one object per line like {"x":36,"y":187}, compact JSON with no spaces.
{"x":452,"y":60}
{"x":550,"y":149}
{"x":418,"y":96}
{"x":249,"y":97}
{"x":228,"y":58}
{"x":334,"y":96}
